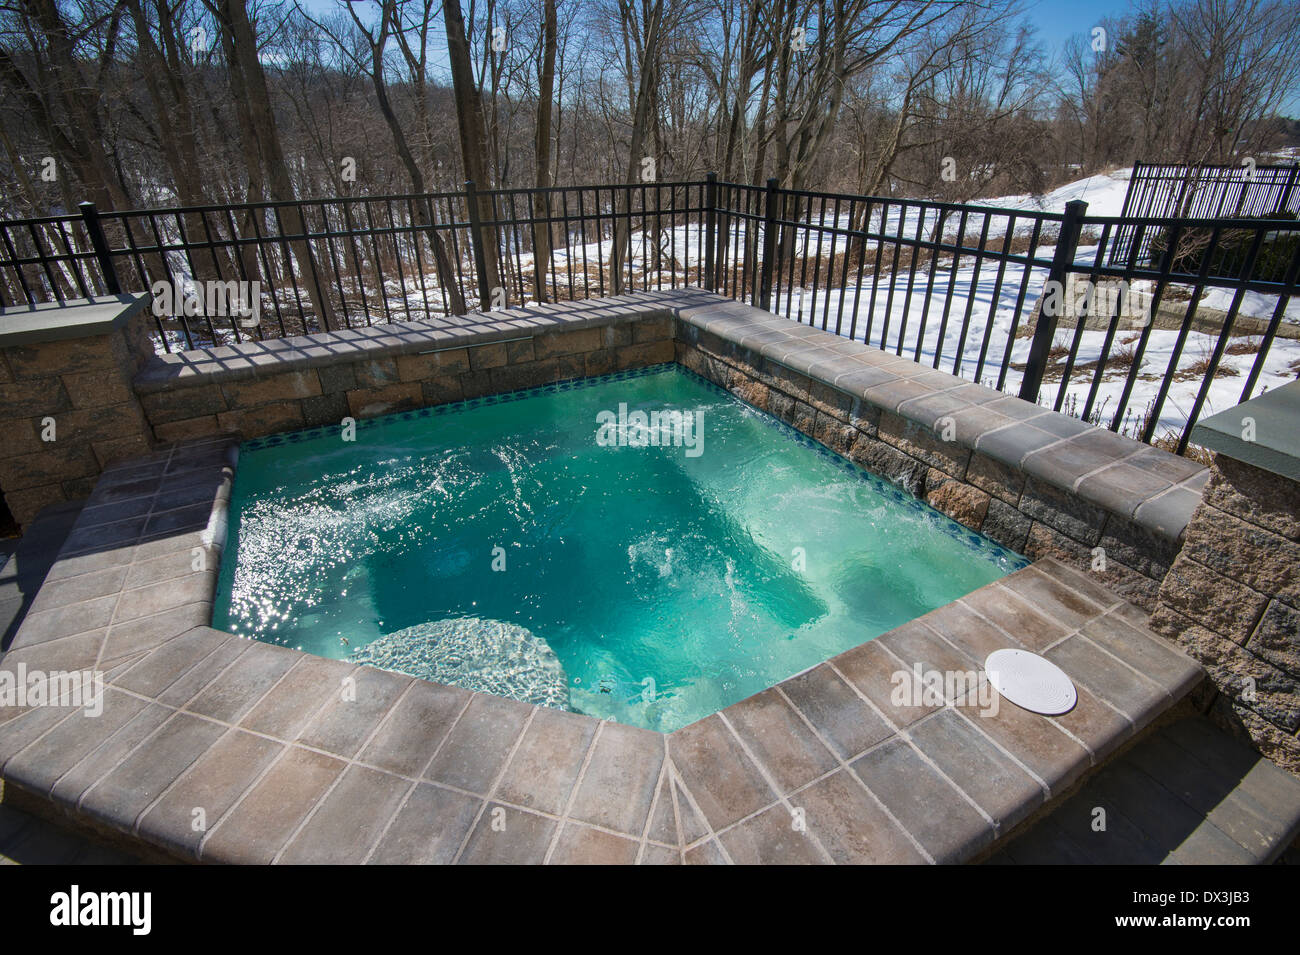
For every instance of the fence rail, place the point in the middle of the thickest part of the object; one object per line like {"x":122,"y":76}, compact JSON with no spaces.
{"x":1136,"y":323}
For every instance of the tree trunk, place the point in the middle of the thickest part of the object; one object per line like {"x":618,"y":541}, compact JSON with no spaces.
{"x":473,"y":144}
{"x":641,"y":116}
{"x":258,"y":121}
{"x":542,"y":148}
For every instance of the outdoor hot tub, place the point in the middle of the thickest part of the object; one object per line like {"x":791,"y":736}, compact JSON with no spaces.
{"x":676,"y":549}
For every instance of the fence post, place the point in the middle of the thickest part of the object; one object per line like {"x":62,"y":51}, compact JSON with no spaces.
{"x":769,"y":248}
{"x":476,"y":242}
{"x":1284,"y":200}
{"x":710,"y":230}
{"x":1045,"y":324}
{"x":98,"y":242}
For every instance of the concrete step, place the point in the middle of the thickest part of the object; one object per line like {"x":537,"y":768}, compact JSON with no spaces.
{"x":1187,"y":794}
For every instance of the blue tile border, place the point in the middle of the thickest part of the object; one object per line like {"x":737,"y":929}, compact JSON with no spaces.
{"x":436,"y":411}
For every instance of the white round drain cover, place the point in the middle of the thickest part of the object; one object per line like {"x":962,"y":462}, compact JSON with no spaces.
{"x":1031,"y":682}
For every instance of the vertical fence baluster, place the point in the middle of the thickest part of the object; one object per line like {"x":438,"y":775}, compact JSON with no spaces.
{"x":769,"y":248}
{"x":1067,"y":244}
{"x":710,"y":229}
{"x":99,"y":242}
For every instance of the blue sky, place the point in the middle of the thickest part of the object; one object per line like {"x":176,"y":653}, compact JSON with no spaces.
{"x":1057,"y":20}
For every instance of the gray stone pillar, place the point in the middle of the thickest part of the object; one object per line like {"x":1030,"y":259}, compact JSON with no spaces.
{"x":67,"y":406}
{"x":1232,"y":597}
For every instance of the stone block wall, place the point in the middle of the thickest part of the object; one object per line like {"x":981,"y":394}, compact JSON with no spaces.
{"x":69,"y":411}
{"x":1019,"y":511}
{"x":1232,"y":601}
{"x":367,"y":382}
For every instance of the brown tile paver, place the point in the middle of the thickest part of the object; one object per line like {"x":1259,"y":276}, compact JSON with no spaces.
{"x":842,"y":718}
{"x":1042,"y":745}
{"x":345,"y":724}
{"x":925,"y":804}
{"x":618,"y":785}
{"x":870,"y":668}
{"x":1135,"y":696}
{"x":243,"y":684}
{"x":350,"y":819}
{"x":273,"y":809}
{"x":773,"y":732}
{"x":983,"y":771}
{"x":773,"y":837}
{"x":582,"y":845}
{"x":723,"y":780}
{"x":408,"y":739}
{"x":546,"y":764}
{"x":310,"y":684}
{"x":505,"y":835}
{"x":72,"y":784}
{"x":75,"y":738}
{"x":138,"y":780}
{"x":477,"y":748}
{"x":1027,"y":626}
{"x":201,"y":796}
{"x":429,"y":829}
{"x":852,"y":826}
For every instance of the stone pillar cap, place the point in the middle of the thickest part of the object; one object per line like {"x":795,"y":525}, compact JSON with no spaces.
{"x":1263,"y":431}
{"x":74,"y":318}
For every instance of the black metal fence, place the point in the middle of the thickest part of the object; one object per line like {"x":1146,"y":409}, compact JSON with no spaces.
{"x":1206,"y":192}
{"x":1138,"y":324}
{"x":329,"y":264}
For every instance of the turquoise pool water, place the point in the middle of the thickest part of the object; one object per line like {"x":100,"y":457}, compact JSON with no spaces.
{"x":670,"y":581}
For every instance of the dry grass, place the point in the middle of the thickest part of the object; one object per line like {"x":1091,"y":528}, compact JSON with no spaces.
{"x":1123,"y":357}
{"x":1169,"y":442}
{"x":1248,"y":346}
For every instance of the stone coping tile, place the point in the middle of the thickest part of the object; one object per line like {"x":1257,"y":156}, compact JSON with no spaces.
{"x":942,"y":819}
{"x":249,"y":359}
{"x":429,"y":829}
{"x":617,"y":787}
{"x":1000,"y":788}
{"x":773,"y":731}
{"x":211,"y":785}
{"x":846,"y":723}
{"x":577,"y":844}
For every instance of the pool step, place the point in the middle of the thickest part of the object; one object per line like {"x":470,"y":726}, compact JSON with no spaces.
{"x":1188,"y":794}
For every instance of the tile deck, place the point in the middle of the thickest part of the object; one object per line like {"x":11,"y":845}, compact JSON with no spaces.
{"x":218,"y":749}
{"x":277,"y":763}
